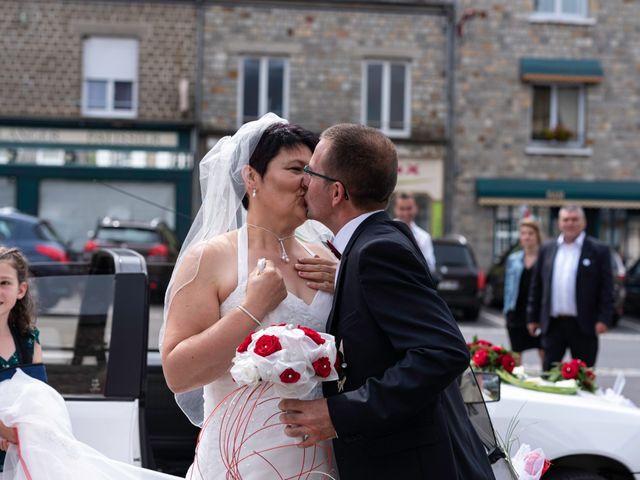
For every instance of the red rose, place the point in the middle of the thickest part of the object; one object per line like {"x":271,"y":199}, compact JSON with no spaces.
{"x":507,"y":362}
{"x":322,"y":367}
{"x":497,"y":348}
{"x":289,"y":376}
{"x":578,"y":363}
{"x":589,"y":374}
{"x":483,"y":342}
{"x":312,"y":334}
{"x":569,"y":370}
{"x":480,"y":358}
{"x":245,"y":343}
{"x":266,"y":345}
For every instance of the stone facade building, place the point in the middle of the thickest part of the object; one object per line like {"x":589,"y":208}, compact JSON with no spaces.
{"x":321,"y":63}
{"x":97,"y":102}
{"x":547,"y":111}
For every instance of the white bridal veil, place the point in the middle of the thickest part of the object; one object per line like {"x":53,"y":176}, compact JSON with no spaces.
{"x":222,"y":188}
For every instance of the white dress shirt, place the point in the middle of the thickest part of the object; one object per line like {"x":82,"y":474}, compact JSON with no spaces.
{"x":423,"y":239}
{"x":346,"y":232}
{"x":565,"y":271}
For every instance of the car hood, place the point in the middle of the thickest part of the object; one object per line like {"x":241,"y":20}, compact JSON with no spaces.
{"x":568,"y":424}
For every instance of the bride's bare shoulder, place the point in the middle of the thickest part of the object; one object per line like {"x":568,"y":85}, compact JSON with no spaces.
{"x":213,"y":254}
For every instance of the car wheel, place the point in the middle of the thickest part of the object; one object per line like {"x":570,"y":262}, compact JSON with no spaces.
{"x":569,"y":474}
{"x":471,"y":313}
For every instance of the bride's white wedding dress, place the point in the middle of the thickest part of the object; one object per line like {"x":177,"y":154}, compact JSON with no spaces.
{"x":260,"y":451}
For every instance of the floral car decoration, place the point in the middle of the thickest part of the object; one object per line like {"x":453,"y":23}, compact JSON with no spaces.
{"x":489,"y":357}
{"x":563,"y":378}
{"x":574,"y":369}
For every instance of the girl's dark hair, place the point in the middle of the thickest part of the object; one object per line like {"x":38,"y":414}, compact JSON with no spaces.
{"x":21,"y":316}
{"x":276,"y":137}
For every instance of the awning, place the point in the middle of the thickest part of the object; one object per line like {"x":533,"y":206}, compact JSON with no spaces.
{"x":560,"y":70}
{"x":555,"y":193}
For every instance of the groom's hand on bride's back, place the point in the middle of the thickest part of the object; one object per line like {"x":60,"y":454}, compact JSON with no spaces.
{"x":307,"y":419}
{"x":319,"y":273}
{"x":265,"y":290}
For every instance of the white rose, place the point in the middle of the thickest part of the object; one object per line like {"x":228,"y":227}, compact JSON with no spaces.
{"x":245,"y":372}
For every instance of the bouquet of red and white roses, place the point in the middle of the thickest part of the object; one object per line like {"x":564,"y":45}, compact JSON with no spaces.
{"x":293,"y":359}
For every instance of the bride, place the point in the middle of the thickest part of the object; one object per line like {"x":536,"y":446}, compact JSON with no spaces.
{"x":217,"y":297}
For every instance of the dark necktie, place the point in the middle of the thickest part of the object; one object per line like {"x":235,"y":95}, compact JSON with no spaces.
{"x":333,"y":249}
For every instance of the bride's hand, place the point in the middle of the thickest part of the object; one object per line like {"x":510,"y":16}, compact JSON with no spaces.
{"x":320,"y":273}
{"x":265,"y":290}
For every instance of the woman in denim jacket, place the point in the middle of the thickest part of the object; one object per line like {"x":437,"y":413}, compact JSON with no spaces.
{"x":517,"y":278}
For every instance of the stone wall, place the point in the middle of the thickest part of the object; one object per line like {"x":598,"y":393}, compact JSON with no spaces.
{"x":325,"y":48}
{"x":493,"y":111}
{"x":41,"y":59}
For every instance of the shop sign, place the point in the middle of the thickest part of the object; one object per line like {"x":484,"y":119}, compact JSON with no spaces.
{"x":70,"y":136}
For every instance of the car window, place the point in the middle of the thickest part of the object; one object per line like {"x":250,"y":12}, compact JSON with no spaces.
{"x":453,"y":255}
{"x":44,"y":231}
{"x":74,"y":319}
{"x":128,"y":235}
{"x":6,"y":229}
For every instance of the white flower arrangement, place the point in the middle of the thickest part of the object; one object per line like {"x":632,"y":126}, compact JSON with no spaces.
{"x":294,"y":359}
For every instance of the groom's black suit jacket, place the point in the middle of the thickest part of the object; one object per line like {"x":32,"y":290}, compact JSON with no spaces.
{"x":400,"y":414}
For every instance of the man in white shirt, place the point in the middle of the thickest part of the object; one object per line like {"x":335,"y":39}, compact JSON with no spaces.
{"x":571,"y":296}
{"x":405,"y":209}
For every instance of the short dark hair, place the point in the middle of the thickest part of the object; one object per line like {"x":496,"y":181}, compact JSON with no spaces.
{"x":276,"y":137}
{"x":365,"y":160}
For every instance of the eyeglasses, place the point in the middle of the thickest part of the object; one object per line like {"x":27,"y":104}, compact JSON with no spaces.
{"x":310,"y":172}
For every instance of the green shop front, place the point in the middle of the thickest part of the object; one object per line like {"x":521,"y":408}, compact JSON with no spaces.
{"x":73,"y":173}
{"x":612,"y":208}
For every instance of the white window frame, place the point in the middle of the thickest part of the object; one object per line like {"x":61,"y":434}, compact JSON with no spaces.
{"x":386,"y":95}
{"x":538,"y":146}
{"x":263,"y":85}
{"x":557,"y":16}
{"x":110,"y":111}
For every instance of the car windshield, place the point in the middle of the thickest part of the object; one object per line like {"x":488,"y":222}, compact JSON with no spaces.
{"x":452,"y":255}
{"x":45,"y":232}
{"x":128,"y":235}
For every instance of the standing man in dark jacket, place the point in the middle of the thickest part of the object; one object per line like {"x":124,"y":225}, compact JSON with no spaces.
{"x":397,"y":411}
{"x":571,"y":295}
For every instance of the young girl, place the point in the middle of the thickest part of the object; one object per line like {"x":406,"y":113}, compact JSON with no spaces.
{"x":19,"y":342}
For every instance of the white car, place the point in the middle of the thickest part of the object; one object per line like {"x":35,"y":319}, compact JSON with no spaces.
{"x":584,"y":436}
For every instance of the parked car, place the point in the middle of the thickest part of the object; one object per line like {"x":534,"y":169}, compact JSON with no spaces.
{"x":494,"y":290}
{"x":36,"y":238}
{"x":632,"y":287}
{"x":154,"y":240}
{"x":461,"y":282}
{"x":42,"y":246}
{"x":584,"y":436}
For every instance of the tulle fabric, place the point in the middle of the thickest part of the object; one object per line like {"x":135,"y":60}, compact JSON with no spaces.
{"x":47,"y":448}
{"x":222,"y":187}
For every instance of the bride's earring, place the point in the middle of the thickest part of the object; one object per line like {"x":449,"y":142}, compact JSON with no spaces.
{"x":253,"y":193}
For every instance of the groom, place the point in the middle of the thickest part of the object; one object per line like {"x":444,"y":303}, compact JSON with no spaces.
{"x":397,"y":411}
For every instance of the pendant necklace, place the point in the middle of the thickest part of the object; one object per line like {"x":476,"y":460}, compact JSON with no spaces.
{"x":283,"y":255}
